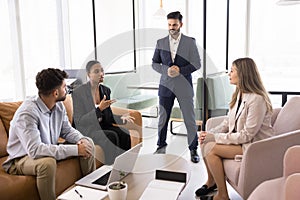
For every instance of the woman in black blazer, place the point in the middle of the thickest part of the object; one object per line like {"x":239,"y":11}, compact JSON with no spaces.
{"x":93,"y":115}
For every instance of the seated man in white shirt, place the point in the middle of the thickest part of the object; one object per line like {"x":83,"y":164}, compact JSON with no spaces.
{"x":34,"y":132}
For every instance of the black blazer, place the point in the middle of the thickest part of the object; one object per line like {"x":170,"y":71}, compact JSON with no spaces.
{"x":86,"y":114}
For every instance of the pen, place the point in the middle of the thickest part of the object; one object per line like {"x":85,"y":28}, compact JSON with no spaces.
{"x":78,"y":193}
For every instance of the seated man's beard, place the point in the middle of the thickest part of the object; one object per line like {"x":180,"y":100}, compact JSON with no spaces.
{"x":61,"y":98}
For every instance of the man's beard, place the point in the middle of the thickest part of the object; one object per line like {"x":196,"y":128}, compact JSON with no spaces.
{"x":61,"y":98}
{"x":174,"y":33}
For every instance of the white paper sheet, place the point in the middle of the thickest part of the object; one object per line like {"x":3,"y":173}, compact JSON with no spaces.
{"x":85,"y":192}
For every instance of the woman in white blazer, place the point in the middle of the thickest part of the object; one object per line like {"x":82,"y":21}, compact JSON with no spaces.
{"x":249,"y":120}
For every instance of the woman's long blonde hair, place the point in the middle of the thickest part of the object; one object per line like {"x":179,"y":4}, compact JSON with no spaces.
{"x":249,"y":81}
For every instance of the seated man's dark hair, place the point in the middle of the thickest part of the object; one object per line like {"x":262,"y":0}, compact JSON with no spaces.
{"x":49,"y":79}
{"x":175,"y":15}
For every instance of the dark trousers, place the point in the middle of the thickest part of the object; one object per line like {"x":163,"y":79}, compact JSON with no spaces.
{"x":187,"y":107}
{"x":123,"y":137}
{"x":114,"y":141}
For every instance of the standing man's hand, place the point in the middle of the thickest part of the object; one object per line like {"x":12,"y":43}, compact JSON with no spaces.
{"x":173,"y":71}
{"x":85,"y":148}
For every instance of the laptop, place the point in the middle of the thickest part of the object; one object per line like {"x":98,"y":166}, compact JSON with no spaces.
{"x":106,"y":174}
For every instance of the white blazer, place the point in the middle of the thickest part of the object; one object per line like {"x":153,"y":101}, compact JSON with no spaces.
{"x":252,"y":122}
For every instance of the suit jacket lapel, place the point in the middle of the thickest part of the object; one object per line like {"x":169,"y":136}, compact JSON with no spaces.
{"x":179,"y":49}
{"x":166,"y":45}
{"x":101,"y":92}
{"x":240,"y":109}
{"x":236,"y":114}
{"x":233,"y":118}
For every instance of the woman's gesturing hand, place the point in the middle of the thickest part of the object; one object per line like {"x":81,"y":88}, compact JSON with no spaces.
{"x":105,"y":103}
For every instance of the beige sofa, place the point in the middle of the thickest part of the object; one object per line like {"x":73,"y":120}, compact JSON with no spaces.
{"x":285,"y":187}
{"x":263,"y":159}
{"x":68,"y":171}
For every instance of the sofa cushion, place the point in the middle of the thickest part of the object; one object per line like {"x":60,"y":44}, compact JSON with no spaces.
{"x":274,"y":115}
{"x":7,"y":111}
{"x":288,"y":118}
{"x":67,"y":173}
{"x":3,"y":140}
{"x":232,"y":170}
{"x":17,"y":187}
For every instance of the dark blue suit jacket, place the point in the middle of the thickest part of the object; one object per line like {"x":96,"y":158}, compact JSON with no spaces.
{"x":187,"y":59}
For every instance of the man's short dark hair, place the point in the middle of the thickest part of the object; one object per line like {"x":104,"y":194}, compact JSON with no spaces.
{"x":49,"y":79}
{"x":90,"y":64}
{"x":175,"y":15}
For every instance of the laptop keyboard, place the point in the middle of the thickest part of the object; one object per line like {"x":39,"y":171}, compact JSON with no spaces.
{"x":103,"y":179}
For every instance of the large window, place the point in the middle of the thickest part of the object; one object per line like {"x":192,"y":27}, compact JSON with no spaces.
{"x":115,"y":36}
{"x":216,"y":35}
{"x":7,"y":68}
{"x":237,"y":30}
{"x":39,"y":34}
{"x":60,"y":34}
{"x":80,"y":47}
{"x":40,"y":39}
{"x":275,"y":43}
{"x":192,"y":12}
{"x":268,"y":33}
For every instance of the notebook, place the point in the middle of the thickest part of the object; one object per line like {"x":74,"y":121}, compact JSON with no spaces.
{"x":167,"y":185}
{"x":101,"y":177}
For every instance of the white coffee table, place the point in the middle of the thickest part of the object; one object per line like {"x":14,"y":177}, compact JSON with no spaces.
{"x":144,"y":171}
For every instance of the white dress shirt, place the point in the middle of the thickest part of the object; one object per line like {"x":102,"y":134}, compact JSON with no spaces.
{"x":174,"y":46}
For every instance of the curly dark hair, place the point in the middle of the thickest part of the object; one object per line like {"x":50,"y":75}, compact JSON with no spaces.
{"x":49,"y":79}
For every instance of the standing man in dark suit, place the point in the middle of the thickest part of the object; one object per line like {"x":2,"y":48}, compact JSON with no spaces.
{"x":176,"y":57}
